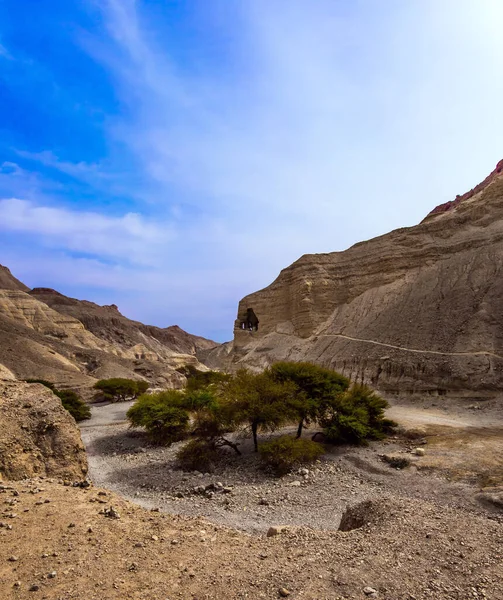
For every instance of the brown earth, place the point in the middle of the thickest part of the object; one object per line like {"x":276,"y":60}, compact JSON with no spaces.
{"x":73,"y":343}
{"x":37,"y":435}
{"x":63,"y":545}
{"x":61,"y":542}
{"x":415,"y":311}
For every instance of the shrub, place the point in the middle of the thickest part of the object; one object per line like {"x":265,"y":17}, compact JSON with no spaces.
{"x":357,"y":415}
{"x":79,"y":410}
{"x":198,"y":455}
{"x":69,"y":399}
{"x":118,"y":389}
{"x":199,"y":380}
{"x":285,"y":453}
{"x":47,"y":384}
{"x":162,"y":415}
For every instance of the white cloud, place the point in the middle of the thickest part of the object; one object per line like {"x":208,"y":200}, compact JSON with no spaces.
{"x":322,"y":124}
{"x":128,"y":237}
{"x":80,"y":170}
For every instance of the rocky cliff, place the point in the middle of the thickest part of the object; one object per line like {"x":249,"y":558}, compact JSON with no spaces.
{"x":417,"y":310}
{"x":37,"y":435}
{"x":73,"y":343}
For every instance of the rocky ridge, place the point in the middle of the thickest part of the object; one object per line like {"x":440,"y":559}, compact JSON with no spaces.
{"x":72,"y":343}
{"x":414,"y":311}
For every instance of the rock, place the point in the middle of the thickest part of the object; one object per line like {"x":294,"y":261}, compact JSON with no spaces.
{"x":360,"y":514}
{"x":52,"y":575}
{"x":295,"y":484}
{"x":34,"y":588}
{"x":13,"y":558}
{"x":111,"y":513}
{"x":32,"y":444}
{"x":371,"y":592}
{"x":276,"y":530}
{"x":283,"y":592}
{"x":419,"y":451}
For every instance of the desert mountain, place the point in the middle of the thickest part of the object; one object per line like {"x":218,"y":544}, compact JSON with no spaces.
{"x":73,"y":343}
{"x":417,"y":310}
{"x":9,"y":282}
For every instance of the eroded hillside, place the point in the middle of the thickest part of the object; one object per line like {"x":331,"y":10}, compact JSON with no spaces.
{"x":73,"y":343}
{"x":417,"y":310}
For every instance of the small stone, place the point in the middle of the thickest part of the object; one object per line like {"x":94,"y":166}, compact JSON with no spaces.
{"x":371,"y":592}
{"x":276,"y":530}
{"x":52,"y":575}
{"x":295,"y":484}
{"x":155,"y":538}
{"x":17,"y":584}
{"x":34,"y":588}
{"x":283,"y":592}
{"x":139,"y":545}
{"x":419,"y":451}
{"x":13,"y":558}
{"x":71,"y":525}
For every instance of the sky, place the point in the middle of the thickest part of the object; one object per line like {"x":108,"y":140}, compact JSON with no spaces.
{"x":171,"y":157}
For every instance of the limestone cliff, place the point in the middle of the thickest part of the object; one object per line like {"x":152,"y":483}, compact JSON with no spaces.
{"x":416,"y":310}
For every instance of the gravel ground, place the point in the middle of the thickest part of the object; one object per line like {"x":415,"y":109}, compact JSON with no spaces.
{"x":245,"y":498}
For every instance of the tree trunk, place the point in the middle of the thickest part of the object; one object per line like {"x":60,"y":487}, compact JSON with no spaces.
{"x":225,"y":442}
{"x":255,"y":437}
{"x":299,"y":429}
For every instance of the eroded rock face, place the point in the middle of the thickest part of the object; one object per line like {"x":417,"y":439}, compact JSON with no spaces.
{"x":37,"y":435}
{"x":9,"y":282}
{"x":73,"y":343}
{"x":416,"y":310}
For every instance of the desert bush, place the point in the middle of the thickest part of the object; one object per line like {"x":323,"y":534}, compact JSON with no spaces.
{"x":356,"y":416}
{"x":198,"y":455}
{"x":199,"y":380}
{"x":119,"y":389}
{"x":162,"y":415}
{"x":69,"y":399}
{"x":44,"y":382}
{"x":285,"y":453}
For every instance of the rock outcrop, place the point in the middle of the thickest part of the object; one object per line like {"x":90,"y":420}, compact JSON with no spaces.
{"x":73,"y":343}
{"x":38,"y":437}
{"x":417,"y":310}
{"x":9,"y":282}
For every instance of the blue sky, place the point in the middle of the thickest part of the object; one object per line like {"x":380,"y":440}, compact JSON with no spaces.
{"x":171,"y":157}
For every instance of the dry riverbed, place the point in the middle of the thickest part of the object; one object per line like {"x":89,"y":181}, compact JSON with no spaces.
{"x":238,"y":494}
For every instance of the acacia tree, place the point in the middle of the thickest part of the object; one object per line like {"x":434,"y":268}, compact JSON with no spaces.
{"x":316,"y":389}
{"x":259,"y":401}
{"x":118,"y":389}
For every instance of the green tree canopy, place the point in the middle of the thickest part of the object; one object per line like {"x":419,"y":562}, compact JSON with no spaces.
{"x":118,"y":389}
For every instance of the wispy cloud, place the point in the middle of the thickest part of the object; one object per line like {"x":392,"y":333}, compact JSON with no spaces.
{"x":311,"y":126}
{"x":128,"y":237}
{"x":80,"y":170}
{"x":4,"y":53}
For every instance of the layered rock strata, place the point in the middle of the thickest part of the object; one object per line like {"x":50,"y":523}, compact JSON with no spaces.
{"x":417,"y":310}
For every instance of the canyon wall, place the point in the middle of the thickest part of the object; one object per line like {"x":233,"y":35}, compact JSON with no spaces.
{"x":417,"y":310}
